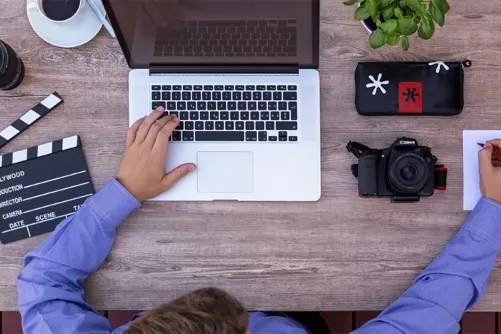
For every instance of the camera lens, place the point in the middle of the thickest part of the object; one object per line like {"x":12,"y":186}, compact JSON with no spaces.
{"x":409,"y":173}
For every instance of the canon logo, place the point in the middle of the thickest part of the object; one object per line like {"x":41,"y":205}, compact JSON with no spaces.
{"x":407,"y":142}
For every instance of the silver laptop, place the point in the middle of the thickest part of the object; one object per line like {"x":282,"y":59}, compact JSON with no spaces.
{"x":242,"y":76}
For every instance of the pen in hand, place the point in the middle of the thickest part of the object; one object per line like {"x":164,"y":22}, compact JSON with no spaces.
{"x":496,"y":151}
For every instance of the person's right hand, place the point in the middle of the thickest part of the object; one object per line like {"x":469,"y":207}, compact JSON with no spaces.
{"x":490,"y":171}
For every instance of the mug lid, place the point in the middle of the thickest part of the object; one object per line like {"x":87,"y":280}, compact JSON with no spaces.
{"x":4,"y":58}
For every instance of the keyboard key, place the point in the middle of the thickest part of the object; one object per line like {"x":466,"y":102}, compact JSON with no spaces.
{"x":239,"y":87}
{"x":187,"y":87}
{"x":250,"y":87}
{"x":263,"y":135}
{"x":214,"y":115}
{"x":282,"y":133}
{"x":176,"y":136}
{"x":188,"y":135}
{"x":176,"y":96}
{"x":166,"y":87}
{"x":282,"y":138}
{"x":277,"y":96}
{"x":155,"y":87}
{"x":184,"y":115}
{"x":229,"y":125}
{"x":244,"y":115}
{"x":194,"y":115}
{"x":165,"y":96}
{"x":290,"y":96}
{"x":282,"y":105}
{"x":254,"y":115}
{"x":275,"y":115}
{"x":196,"y":96}
{"x":282,"y":87}
{"x":267,"y":96}
{"x":197,"y":87}
{"x":293,"y":109}
{"x":272,"y":106}
{"x":260,"y":87}
{"x":260,"y":125}
{"x":204,"y":115}
{"x":239,"y":125}
{"x":270,"y":126}
{"x":218,"y":87}
{"x":229,"y":87}
{"x":252,"y":105}
{"x":261,"y":105}
{"x":209,"y":125}
{"x":192,"y":105}
{"x":247,"y":96}
{"x":219,"y":136}
{"x":221,"y":106}
{"x":257,"y":96}
{"x":188,"y":125}
{"x":206,"y":96}
{"x":208,"y":87}
{"x":216,"y":96}
{"x":286,"y":125}
{"x":271,"y":87}
{"x":249,"y":125}
{"x":181,"y":106}
{"x":201,"y":105}
{"x":157,"y":104}
{"x":224,"y":115}
{"x":284,"y":116}
{"x":180,"y":126}
{"x":155,"y":96}
{"x":174,"y":113}
{"x":292,"y":138}
{"x":176,"y":87}
{"x":264,"y":116}
{"x":250,"y":135}
{"x":234,"y":115}
{"x":211,"y":105}
{"x":199,"y":125}
{"x":226,"y":96}
{"x":232,"y":105}
{"x":171,"y":105}
{"x":272,"y":138}
{"x":220,"y":125}
{"x":242,"y":105}
{"x":292,"y":87}
{"x":237,"y":96}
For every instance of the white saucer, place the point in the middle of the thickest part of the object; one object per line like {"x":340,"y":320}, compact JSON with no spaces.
{"x":76,"y":32}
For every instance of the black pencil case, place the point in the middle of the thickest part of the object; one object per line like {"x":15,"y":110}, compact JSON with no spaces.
{"x":404,"y":88}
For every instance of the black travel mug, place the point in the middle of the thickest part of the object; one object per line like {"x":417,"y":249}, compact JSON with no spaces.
{"x":11,"y":68}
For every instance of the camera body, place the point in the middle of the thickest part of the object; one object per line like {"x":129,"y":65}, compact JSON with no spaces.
{"x":405,"y":171}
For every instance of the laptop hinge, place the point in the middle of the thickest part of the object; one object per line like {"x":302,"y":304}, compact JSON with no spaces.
{"x":224,"y":70}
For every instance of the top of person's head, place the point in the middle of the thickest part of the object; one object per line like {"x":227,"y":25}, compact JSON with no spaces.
{"x":204,"y":311}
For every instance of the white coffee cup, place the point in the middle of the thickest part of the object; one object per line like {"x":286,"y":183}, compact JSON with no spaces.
{"x":38,"y":5}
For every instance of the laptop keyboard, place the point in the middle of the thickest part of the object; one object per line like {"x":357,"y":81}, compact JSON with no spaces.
{"x":264,"y":38}
{"x":230,"y":113}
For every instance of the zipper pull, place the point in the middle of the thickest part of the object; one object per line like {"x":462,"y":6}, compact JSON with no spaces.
{"x":466,"y":63}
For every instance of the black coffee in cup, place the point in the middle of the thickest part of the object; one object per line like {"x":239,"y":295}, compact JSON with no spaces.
{"x":11,"y":68}
{"x":60,"y":10}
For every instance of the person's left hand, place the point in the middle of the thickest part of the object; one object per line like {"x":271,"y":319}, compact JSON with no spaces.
{"x":141,"y":171}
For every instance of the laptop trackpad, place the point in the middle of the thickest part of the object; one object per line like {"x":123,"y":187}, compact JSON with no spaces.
{"x":225,"y":172}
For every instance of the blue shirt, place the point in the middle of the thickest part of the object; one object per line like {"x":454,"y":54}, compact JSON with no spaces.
{"x":51,"y":296}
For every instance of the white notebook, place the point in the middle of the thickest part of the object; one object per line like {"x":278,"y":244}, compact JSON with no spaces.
{"x":471,"y":186}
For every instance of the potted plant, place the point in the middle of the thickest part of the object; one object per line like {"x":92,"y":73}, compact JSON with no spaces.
{"x":393,"y":21}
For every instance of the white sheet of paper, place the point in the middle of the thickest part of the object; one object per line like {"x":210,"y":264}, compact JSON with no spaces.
{"x":471,"y":186}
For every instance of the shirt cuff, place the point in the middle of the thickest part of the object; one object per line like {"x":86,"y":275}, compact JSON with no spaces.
{"x":485,"y":220}
{"x":114,"y":203}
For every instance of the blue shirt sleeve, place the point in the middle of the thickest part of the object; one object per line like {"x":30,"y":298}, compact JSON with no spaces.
{"x":50,"y":286}
{"x":453,"y":283}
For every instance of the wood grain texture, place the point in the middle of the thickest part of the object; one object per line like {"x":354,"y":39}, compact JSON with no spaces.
{"x":341,"y":253}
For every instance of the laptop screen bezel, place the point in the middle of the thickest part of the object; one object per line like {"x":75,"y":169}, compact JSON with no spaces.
{"x":315,"y":52}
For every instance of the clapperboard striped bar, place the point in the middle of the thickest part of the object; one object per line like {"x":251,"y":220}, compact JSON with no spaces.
{"x":31,"y":117}
{"x":41,"y":186}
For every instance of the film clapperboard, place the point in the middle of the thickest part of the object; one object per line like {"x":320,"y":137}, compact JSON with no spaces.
{"x":42,"y":185}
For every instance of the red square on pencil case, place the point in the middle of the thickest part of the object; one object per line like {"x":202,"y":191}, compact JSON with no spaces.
{"x":410,"y":97}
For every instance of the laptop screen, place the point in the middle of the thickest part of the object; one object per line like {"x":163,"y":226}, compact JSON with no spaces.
{"x":217,"y":32}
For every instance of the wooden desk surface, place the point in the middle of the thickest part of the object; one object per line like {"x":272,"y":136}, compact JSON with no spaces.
{"x":341,"y":253}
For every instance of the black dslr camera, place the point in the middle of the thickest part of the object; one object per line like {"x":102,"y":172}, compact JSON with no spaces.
{"x":405,"y":171}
